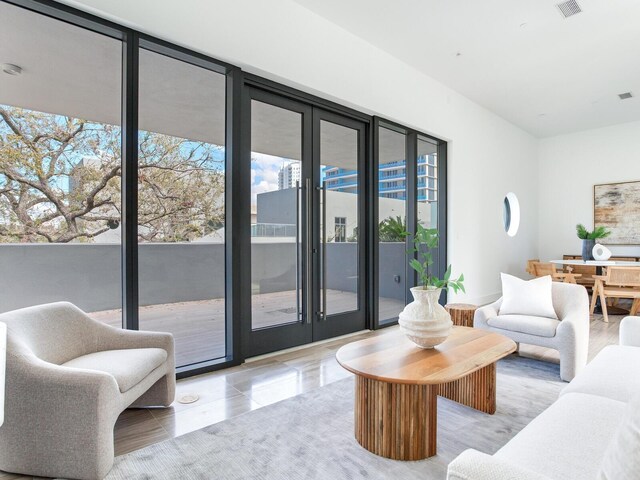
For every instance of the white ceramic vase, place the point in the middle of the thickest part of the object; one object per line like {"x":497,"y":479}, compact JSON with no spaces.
{"x":600,"y":252}
{"x":424,"y":321}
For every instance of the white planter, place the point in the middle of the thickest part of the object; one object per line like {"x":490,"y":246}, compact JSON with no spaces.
{"x":424,"y":321}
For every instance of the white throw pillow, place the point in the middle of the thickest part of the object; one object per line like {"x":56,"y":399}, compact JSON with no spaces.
{"x":621,"y":460}
{"x":522,"y":297}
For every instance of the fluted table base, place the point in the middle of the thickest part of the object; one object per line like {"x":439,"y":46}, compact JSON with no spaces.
{"x":399,"y":421}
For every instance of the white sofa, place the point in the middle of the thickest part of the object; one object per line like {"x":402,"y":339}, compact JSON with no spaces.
{"x":68,"y":378}
{"x":569,"y":335}
{"x":568,"y":440}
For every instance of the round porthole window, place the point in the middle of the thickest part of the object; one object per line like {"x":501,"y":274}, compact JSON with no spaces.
{"x":511,"y":214}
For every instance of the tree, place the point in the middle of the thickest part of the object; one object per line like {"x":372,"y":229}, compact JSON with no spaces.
{"x":392,"y":230}
{"x":60,"y":181}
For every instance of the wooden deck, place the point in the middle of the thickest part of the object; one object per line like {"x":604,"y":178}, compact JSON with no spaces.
{"x":199,"y":327}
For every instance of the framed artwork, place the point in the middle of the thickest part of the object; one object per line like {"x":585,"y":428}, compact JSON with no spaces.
{"x":616,"y":206}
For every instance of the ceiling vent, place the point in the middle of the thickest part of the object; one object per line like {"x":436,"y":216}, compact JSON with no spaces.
{"x":569,"y":8}
{"x":625,"y":95}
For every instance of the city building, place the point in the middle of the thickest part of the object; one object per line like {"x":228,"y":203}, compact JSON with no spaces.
{"x":392,"y":181}
{"x":289,"y":175}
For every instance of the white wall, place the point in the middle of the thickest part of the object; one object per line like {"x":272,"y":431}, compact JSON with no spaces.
{"x":282,"y":40}
{"x":569,"y":166}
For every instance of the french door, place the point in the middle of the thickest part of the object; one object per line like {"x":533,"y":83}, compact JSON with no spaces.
{"x":307,"y":223}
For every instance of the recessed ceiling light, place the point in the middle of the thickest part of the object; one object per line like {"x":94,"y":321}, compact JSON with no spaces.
{"x":569,"y":8}
{"x":11,"y":69}
{"x":625,"y":95}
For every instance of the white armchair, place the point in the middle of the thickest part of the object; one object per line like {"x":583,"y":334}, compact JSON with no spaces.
{"x":569,"y":335}
{"x":630,"y":332}
{"x":68,"y":377}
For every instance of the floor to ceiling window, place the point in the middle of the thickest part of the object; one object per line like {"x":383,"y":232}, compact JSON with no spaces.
{"x":63,"y":187}
{"x":160,"y":189}
{"x":392,"y":222}
{"x":60,"y":165}
{"x":407,"y":188}
{"x":427,"y":188}
{"x":181,"y":205}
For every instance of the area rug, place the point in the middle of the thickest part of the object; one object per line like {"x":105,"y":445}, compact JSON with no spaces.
{"x":311,"y":436}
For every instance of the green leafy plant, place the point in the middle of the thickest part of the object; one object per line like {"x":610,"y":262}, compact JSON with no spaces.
{"x":392,"y":230}
{"x":598,"y":232}
{"x":424,"y":241}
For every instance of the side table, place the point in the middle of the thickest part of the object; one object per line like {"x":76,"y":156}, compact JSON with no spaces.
{"x":461,"y":313}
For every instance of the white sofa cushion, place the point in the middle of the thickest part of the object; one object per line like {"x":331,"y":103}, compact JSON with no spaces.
{"x":522,"y":297}
{"x":129,"y":367}
{"x":621,"y":459}
{"x":567,"y":440}
{"x":613,"y":373}
{"x":538,"y":326}
{"x":474,"y":465}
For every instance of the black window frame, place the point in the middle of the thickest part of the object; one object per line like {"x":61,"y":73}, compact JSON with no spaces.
{"x":236,"y":204}
{"x":411,"y":188}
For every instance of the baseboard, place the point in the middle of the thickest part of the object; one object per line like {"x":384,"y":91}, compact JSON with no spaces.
{"x":302,"y":347}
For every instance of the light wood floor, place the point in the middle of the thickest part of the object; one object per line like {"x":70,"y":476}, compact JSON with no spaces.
{"x":263,"y":381}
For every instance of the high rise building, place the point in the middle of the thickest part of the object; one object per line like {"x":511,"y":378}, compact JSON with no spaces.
{"x":391,"y":179}
{"x":288,"y":176}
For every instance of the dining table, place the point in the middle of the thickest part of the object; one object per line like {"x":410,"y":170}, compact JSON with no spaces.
{"x":599,"y":264}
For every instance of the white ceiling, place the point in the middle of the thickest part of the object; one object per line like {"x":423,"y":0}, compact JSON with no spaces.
{"x":550,"y":76}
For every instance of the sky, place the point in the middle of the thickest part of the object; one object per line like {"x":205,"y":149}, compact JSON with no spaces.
{"x":264,"y":173}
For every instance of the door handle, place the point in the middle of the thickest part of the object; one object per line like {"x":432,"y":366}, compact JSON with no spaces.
{"x":309,"y":258}
{"x":297,"y":226}
{"x":323,"y":240}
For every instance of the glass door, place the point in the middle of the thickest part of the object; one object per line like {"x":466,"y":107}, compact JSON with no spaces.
{"x":339,"y":150}
{"x":306,"y":259}
{"x":281,"y":191}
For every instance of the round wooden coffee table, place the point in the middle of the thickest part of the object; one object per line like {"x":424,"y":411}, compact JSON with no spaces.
{"x":397,"y":385}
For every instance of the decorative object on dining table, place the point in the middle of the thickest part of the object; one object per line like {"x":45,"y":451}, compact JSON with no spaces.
{"x":424,"y":321}
{"x":600,"y":252}
{"x":616,"y":206}
{"x":589,"y":239}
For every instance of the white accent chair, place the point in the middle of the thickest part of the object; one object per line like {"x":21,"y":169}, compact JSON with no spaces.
{"x":581,"y":435}
{"x":68,"y":377}
{"x":569,"y":335}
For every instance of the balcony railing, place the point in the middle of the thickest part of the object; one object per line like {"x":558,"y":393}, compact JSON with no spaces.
{"x":273,"y":230}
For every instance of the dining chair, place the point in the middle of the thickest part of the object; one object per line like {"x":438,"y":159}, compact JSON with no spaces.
{"x":617,"y":282}
{"x":529,"y":267}
{"x":541,"y":269}
{"x":585,"y":274}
